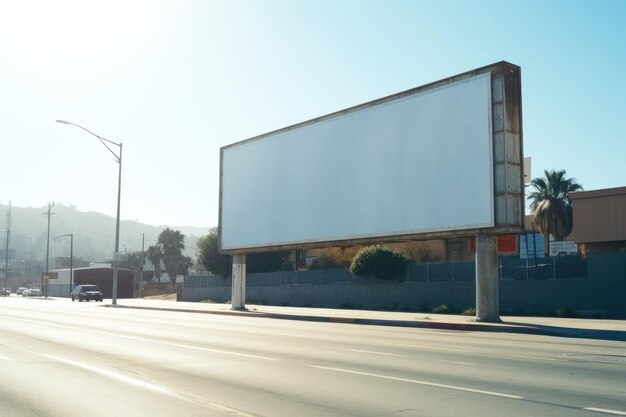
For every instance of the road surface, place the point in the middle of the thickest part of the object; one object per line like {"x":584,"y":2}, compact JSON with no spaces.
{"x":59,"y":358}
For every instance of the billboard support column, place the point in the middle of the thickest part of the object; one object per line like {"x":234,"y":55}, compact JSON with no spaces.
{"x":238,"y":298}
{"x":487,"y":289}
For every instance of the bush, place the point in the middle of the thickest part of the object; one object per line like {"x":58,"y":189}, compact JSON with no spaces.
{"x":469,"y":312}
{"x":442,"y":309}
{"x":566,"y":312}
{"x":379,"y":261}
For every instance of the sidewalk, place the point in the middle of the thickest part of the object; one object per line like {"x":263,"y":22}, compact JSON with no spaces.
{"x":549,"y":326}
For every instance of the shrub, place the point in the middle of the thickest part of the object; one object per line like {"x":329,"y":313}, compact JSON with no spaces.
{"x":442,"y":309}
{"x":379,"y":261}
{"x":469,"y":312}
{"x":566,"y":312}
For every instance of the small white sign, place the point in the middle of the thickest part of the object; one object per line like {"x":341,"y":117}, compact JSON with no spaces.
{"x":564,"y":247}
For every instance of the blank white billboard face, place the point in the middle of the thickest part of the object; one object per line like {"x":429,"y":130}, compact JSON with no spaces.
{"x":417,"y":164}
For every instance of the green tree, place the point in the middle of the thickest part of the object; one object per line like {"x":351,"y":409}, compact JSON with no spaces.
{"x":550,"y":204}
{"x":173,"y":244}
{"x":132,"y":261}
{"x":379,"y":261}
{"x":185,"y":264}
{"x":208,"y":256}
{"x":155,"y":256}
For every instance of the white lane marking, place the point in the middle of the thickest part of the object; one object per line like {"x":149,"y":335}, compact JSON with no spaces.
{"x":478,"y":352}
{"x":605,"y":411}
{"x":454,"y":362}
{"x":371,"y":352}
{"x":219,"y":407}
{"x":416,"y":381}
{"x":143,"y":339}
{"x":393,"y":354}
{"x":111,"y":374}
{"x":226,"y":352}
{"x":151,"y":387}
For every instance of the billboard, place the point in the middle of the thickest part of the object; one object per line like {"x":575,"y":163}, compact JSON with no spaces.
{"x":418,"y":163}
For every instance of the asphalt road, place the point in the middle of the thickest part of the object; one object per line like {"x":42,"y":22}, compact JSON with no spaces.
{"x":59,"y":358}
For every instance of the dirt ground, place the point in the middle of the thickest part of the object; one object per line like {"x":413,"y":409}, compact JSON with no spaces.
{"x":171,"y":296}
{"x":159,"y":295}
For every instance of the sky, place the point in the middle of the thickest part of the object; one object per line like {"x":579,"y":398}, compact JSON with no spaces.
{"x":175,"y":80}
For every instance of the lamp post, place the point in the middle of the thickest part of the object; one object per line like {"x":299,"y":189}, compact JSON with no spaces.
{"x":118,"y":158}
{"x":71,"y":235}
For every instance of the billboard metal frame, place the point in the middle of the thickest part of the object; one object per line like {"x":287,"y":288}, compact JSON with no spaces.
{"x":507,"y":159}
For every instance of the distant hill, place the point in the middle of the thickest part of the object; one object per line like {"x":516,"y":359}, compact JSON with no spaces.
{"x":94,"y":233}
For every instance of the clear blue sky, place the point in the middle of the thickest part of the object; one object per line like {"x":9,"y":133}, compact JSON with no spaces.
{"x":175,"y":80}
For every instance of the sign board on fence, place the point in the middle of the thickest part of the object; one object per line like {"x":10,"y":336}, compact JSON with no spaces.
{"x":531,"y":246}
{"x":564,"y":247}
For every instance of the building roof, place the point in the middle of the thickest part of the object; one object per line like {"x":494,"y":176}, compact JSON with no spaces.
{"x":599,"y":215}
{"x":604,"y":192}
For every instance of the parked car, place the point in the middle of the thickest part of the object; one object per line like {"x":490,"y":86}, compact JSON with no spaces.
{"x":6,"y":292}
{"x":86,"y":292}
{"x":33,"y":292}
{"x":20,"y":290}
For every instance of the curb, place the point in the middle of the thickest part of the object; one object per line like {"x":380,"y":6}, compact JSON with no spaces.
{"x":468,"y":327}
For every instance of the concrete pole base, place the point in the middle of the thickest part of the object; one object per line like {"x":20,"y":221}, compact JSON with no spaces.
{"x":238,"y":297}
{"x":487,"y":279}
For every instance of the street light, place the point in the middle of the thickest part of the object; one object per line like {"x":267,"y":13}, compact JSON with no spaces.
{"x":71,"y":235}
{"x":118,"y":158}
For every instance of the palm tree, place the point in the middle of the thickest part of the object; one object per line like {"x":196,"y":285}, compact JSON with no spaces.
{"x":155,"y":255}
{"x":550,"y":203}
{"x":173,"y":243}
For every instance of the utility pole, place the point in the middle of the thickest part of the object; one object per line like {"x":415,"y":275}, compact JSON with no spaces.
{"x":6,"y":254}
{"x":46,"y":277}
{"x":143,"y":261}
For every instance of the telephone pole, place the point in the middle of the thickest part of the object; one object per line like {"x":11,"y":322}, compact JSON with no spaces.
{"x":6,"y":253}
{"x":47,"y":250}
